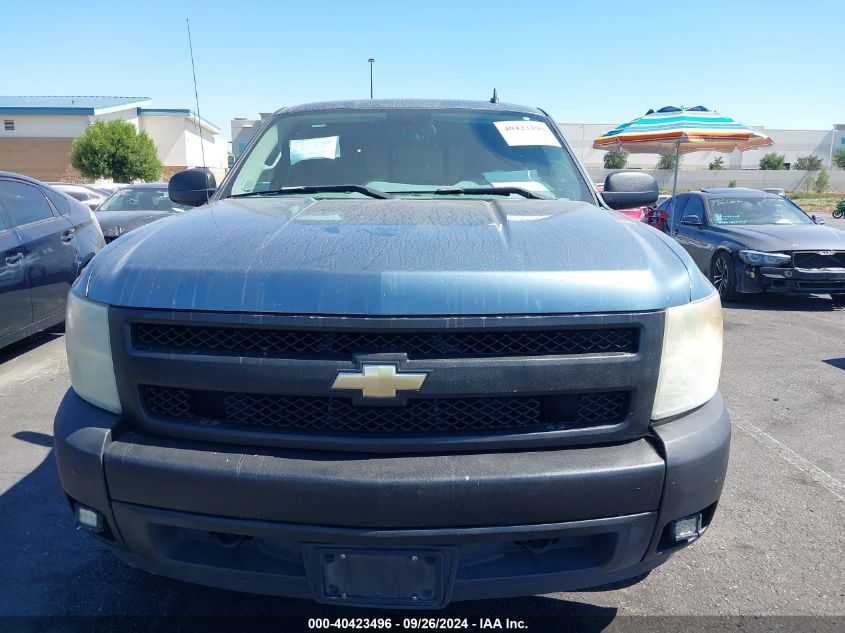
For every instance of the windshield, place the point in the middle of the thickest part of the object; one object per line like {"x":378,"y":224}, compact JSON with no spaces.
{"x":763,"y":210}
{"x":142,"y":199}
{"x":410,"y":152}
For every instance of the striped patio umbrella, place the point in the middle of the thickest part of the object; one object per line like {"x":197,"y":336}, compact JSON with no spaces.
{"x":681,"y":130}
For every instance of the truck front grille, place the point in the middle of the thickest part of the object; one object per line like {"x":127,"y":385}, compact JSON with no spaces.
{"x":418,"y":416}
{"x":491,"y":382}
{"x":825,"y":259}
{"x":246,"y":341}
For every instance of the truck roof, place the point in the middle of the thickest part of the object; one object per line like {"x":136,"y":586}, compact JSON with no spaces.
{"x":433,"y":104}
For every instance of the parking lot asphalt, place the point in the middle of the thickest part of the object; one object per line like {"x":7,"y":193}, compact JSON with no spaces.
{"x":776,"y":546}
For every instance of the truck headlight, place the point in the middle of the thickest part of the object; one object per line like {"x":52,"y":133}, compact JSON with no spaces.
{"x":691,"y":359}
{"x":757,"y":258}
{"x":89,"y":352}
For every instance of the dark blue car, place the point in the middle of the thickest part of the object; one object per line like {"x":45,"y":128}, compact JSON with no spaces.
{"x":46,"y":239}
{"x":750,"y":241}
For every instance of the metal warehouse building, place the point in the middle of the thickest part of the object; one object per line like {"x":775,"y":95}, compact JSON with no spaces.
{"x":37,"y":133}
{"x":790,"y":143}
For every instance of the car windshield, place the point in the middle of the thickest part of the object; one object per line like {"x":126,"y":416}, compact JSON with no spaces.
{"x":762,"y":210}
{"x":142,"y":199}
{"x":411,"y":152}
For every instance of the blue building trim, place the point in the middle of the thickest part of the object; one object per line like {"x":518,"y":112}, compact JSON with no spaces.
{"x":70,"y":105}
{"x":163,"y":111}
{"x":49,"y":111}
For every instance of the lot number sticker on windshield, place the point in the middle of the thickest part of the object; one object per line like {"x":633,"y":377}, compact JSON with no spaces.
{"x":307,"y":148}
{"x":518,"y":133}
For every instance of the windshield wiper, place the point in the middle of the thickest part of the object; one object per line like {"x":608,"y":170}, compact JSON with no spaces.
{"x":480,"y":191}
{"x":306,"y":189}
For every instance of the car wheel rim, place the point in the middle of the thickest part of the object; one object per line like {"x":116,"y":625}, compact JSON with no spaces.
{"x":720,"y":275}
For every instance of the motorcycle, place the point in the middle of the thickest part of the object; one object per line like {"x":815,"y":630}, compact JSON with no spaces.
{"x":839,"y":212}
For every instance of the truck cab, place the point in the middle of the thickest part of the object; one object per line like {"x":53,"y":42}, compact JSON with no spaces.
{"x":403,"y":354}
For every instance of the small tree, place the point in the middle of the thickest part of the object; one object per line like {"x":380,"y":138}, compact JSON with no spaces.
{"x":810,"y":162}
{"x":666,"y":161}
{"x":822,"y":182}
{"x":772,"y":160}
{"x":115,"y":150}
{"x":732,"y":184}
{"x":839,"y":158}
{"x":717,"y":163}
{"x":615,"y":160}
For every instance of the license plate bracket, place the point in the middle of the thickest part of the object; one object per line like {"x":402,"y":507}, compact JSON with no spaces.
{"x":417,"y":577}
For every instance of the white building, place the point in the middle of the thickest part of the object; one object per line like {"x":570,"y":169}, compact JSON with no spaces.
{"x":244,"y":129}
{"x":37,"y":133}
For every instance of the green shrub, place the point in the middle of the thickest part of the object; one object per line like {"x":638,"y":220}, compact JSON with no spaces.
{"x":822,"y":182}
{"x":717,"y":163}
{"x":615,"y":160}
{"x":808,"y":163}
{"x":115,"y":150}
{"x":666,"y":161}
{"x":732,"y":184}
{"x":839,"y":158}
{"x":772,"y":160}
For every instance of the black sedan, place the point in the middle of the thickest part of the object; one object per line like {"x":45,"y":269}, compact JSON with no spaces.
{"x":750,"y":241}
{"x":134,"y":206}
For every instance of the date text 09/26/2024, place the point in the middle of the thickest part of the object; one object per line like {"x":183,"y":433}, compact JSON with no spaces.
{"x":417,"y":623}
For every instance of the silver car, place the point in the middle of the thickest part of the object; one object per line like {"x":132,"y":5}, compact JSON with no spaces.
{"x":90,"y":197}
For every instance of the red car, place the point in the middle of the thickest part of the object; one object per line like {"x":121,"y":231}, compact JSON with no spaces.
{"x":637,"y":213}
{"x":658,"y":217}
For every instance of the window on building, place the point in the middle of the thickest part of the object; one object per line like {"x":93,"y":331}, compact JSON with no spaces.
{"x":24,"y":204}
{"x":8,"y":125}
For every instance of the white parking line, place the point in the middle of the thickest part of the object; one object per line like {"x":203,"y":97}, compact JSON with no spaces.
{"x":821,"y":477}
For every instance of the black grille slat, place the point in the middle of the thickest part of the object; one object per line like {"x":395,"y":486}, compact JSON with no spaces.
{"x":175,"y":402}
{"x":811,"y":260}
{"x":322,"y":415}
{"x":265,"y":341}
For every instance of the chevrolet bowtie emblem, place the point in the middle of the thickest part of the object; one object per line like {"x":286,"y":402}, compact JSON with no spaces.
{"x":379,"y":381}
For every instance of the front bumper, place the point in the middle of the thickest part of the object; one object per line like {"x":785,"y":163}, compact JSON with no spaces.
{"x":782,"y":280}
{"x":514,"y":523}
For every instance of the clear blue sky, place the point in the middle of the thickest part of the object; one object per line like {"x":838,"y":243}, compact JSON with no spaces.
{"x":772,"y":63}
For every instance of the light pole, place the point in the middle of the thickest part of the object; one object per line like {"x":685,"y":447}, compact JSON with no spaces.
{"x":372,"y":61}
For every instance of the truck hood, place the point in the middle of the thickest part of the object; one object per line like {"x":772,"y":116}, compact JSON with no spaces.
{"x":788,"y":237}
{"x":392,"y":257}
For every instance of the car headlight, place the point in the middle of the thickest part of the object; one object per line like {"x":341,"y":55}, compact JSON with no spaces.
{"x":89,"y":352}
{"x":757,"y":258}
{"x":692,"y":357}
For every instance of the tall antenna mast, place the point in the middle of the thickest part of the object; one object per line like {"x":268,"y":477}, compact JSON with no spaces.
{"x":196,"y":94}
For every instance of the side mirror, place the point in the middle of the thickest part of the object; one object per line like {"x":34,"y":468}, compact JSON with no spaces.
{"x":629,"y":189}
{"x":192,"y":186}
{"x":693,"y":220}
{"x":817,"y":219}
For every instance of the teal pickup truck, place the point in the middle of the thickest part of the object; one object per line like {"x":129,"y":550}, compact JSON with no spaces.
{"x":404,"y":354}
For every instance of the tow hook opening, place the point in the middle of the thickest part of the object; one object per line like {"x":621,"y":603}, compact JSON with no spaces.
{"x":538,"y":545}
{"x":224,"y":539}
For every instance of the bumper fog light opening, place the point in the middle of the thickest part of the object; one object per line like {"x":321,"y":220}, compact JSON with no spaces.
{"x":88,"y":518}
{"x":686,"y":528}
